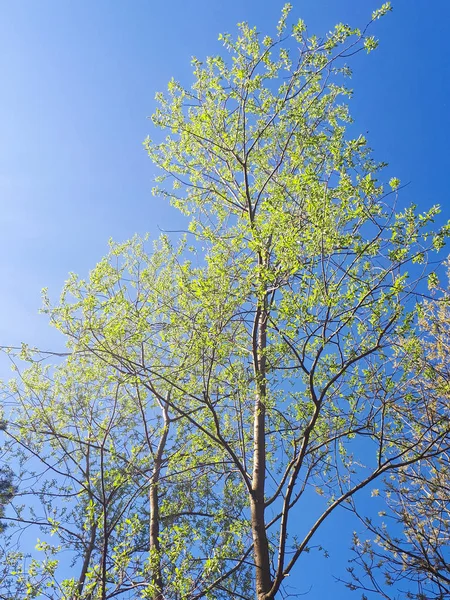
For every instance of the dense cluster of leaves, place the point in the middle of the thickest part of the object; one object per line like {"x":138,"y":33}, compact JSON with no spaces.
{"x":209,"y":392}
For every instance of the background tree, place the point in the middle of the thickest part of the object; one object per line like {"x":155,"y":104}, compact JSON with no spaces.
{"x":6,"y":485}
{"x":209,"y":393}
{"x":7,"y":491}
{"x":415,"y":551}
{"x":114,"y":475}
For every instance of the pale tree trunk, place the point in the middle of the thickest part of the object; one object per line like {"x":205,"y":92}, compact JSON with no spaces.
{"x":87,"y":558}
{"x":155,"y":549}
{"x":154,"y":525}
{"x":257,"y":502}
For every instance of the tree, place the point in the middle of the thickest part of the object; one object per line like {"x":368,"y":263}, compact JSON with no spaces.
{"x":7,"y":491}
{"x":211,"y":390}
{"x":416,"y":550}
{"x":6,"y":486}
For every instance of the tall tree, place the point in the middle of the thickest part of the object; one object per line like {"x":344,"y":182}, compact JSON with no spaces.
{"x":210,"y":392}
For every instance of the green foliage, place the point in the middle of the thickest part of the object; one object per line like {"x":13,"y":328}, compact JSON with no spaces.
{"x":208,"y":391}
{"x":385,"y":8}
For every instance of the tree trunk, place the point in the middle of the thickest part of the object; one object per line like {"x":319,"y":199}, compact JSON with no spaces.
{"x":154,"y":524}
{"x":257,"y":503}
{"x":155,"y":549}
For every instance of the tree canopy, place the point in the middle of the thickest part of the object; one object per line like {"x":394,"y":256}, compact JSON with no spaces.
{"x":223,"y":397}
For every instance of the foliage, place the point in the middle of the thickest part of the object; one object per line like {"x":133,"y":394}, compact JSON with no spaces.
{"x":212,"y":393}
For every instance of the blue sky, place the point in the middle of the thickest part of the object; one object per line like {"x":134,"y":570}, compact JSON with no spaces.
{"x":78,"y":81}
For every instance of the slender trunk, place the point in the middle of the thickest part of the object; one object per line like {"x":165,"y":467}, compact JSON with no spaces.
{"x":87,"y":559}
{"x":257,"y":503}
{"x":105,"y":502}
{"x":154,"y":525}
{"x":93,"y":533}
{"x":155,"y":549}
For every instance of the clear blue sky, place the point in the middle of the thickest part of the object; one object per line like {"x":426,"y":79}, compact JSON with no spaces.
{"x":78,"y":80}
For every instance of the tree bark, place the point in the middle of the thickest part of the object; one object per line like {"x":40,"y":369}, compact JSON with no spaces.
{"x":154,"y":524}
{"x":257,"y":503}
